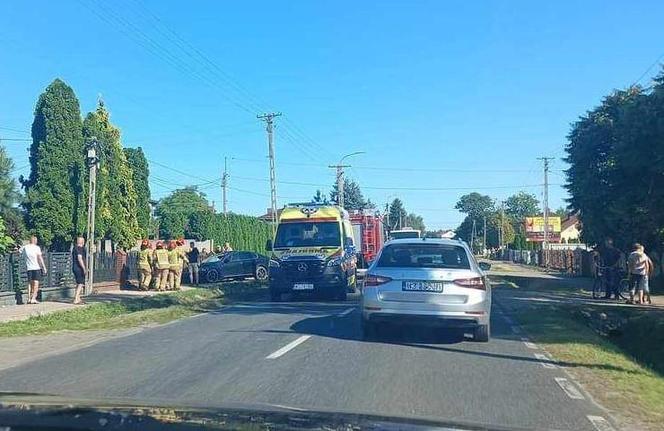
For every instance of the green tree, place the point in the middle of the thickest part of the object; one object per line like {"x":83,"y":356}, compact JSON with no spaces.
{"x":6,"y":241}
{"x":175,"y":211}
{"x":14,"y":219}
{"x":475,"y":205}
{"x":521,"y":205}
{"x":560,"y":212}
{"x":116,"y":198}
{"x":416,"y":222}
{"x":140,"y":174}
{"x":8,"y":190}
{"x":397,"y":214}
{"x":55,"y":200}
{"x":320,"y":198}
{"x":353,"y":197}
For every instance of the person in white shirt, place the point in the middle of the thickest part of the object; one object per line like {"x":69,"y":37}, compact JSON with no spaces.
{"x":34,"y":263}
{"x":640,"y":269}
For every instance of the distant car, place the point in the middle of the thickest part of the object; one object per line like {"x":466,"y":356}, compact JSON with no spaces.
{"x":234,"y":264}
{"x":425,"y":281}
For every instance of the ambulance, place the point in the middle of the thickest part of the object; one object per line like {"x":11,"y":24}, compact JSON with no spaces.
{"x":313,"y":252}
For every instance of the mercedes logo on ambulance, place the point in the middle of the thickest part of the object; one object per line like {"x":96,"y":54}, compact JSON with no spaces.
{"x":302,"y":267}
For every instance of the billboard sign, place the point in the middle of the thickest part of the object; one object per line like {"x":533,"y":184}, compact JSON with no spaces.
{"x":535,"y":229}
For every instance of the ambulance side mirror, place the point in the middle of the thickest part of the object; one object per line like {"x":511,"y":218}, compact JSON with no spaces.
{"x":268,"y":245}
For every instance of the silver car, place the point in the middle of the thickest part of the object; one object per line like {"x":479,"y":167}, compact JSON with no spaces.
{"x":430,"y":282}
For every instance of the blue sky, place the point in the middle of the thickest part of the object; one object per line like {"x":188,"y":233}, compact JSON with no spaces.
{"x":458,"y":95}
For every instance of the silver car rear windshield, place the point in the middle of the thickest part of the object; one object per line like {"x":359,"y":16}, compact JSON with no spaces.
{"x":423,"y":256}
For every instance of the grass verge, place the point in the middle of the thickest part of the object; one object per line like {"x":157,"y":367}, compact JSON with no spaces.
{"x":131,"y":312}
{"x":620,"y":366}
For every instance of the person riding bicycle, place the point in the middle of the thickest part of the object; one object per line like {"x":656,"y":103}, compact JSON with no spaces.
{"x":610,"y":260}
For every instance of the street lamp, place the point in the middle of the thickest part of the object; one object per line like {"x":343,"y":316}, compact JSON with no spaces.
{"x":92,"y":161}
{"x":340,"y":176}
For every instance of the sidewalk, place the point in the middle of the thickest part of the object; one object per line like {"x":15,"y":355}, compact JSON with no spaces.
{"x":556,"y":287}
{"x":22,"y":312}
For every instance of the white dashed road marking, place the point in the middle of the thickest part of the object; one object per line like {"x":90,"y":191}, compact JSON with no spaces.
{"x":544,"y":360}
{"x":529,"y":344}
{"x":569,"y":388}
{"x":346,"y":312}
{"x":600,"y":423}
{"x":288,"y":347}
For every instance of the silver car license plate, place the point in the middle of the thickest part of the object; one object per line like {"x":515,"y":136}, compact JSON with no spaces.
{"x":303,"y":286}
{"x":422,"y":286}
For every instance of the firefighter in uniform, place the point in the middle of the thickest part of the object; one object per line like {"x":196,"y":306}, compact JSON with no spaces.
{"x":162,"y":265}
{"x":144,"y":265}
{"x":184,"y":261}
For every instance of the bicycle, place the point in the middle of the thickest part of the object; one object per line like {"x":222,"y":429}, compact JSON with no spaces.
{"x":599,"y":285}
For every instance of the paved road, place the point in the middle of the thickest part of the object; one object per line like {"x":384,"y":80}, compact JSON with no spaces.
{"x":310,"y":355}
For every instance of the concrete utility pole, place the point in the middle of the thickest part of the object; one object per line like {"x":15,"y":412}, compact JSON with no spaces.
{"x":224,"y":184}
{"x":545,"y":240}
{"x":340,"y":176}
{"x":93,"y":162}
{"x":269,"y":121}
{"x":472,"y":238}
{"x":501,"y":237}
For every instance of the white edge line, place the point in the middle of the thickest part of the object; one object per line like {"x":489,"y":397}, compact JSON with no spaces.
{"x":288,"y":347}
{"x":346,"y":312}
{"x":529,"y":344}
{"x":544,"y":360}
{"x":600,"y":423}
{"x":569,"y":388}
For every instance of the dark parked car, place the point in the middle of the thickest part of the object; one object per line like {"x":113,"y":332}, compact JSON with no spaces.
{"x":234,"y":264}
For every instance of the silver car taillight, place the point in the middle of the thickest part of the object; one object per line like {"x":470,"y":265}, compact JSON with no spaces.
{"x":472,"y":283}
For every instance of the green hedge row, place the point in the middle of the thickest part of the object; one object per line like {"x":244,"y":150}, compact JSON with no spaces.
{"x":241,"y":231}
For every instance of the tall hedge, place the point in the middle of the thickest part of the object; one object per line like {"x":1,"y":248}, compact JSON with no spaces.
{"x":116,"y":216}
{"x":140,"y":173}
{"x":241,"y":231}
{"x":54,"y":201}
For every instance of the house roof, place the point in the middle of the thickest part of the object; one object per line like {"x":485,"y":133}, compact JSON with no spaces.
{"x":570,"y":221}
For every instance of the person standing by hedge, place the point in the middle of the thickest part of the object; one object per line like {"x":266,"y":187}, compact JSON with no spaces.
{"x":34,"y":262}
{"x":194,"y":258}
{"x":78,"y":258}
{"x":144,"y":265}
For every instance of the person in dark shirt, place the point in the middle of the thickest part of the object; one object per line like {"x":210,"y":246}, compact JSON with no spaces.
{"x":194,"y":259}
{"x":610,"y":260}
{"x":78,"y":259}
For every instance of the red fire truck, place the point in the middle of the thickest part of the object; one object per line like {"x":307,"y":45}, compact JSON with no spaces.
{"x":367,"y":234}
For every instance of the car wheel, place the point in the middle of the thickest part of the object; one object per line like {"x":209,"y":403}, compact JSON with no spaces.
{"x":482,"y":333}
{"x":261,"y":273}
{"x":212,"y":276}
{"x":369,"y":330}
{"x":342,"y":293}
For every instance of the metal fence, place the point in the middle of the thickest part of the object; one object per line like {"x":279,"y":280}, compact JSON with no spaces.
{"x":576,"y":262}
{"x":109,"y":267}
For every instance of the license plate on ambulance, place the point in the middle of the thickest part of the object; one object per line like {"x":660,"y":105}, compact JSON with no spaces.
{"x":303,"y":286}
{"x":422,"y":286}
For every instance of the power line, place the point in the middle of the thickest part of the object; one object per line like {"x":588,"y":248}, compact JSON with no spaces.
{"x":654,"y":63}
{"x":16,"y":139}
{"x":14,"y":130}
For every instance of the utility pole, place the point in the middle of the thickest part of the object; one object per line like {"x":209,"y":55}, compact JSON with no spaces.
{"x":224,"y":184}
{"x":340,"y":177}
{"x":484,"y":239}
{"x":93,"y":162}
{"x":269,"y":121}
{"x":501,"y":238}
{"x":472,"y":238}
{"x":545,"y":240}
